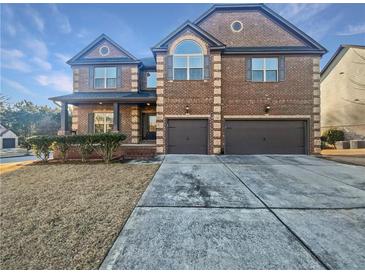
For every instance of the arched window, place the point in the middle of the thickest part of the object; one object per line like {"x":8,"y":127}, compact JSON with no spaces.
{"x":188,"y":61}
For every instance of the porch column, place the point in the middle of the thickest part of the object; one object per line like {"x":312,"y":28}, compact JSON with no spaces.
{"x":64,"y":119}
{"x":135,"y":121}
{"x":116,"y":117}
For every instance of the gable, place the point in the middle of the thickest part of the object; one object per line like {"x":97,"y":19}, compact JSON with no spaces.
{"x":102,"y":50}
{"x":188,"y":28}
{"x":258,"y":30}
{"x":113,"y":51}
{"x":262,"y":29}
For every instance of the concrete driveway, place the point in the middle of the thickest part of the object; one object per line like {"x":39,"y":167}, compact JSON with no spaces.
{"x":246,"y":212}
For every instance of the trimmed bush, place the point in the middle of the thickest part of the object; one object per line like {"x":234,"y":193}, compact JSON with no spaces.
{"x":63,"y":144}
{"x":334,"y":135}
{"x":104,"y":144}
{"x":42,"y":146}
{"x":85,"y":146}
{"x":107,"y":144}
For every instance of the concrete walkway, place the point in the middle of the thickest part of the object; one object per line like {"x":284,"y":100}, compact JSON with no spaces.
{"x":246,"y":212}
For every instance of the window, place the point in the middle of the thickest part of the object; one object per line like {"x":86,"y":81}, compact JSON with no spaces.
{"x":105,"y":77}
{"x":188,"y":61}
{"x":104,"y":51}
{"x":236,"y":26}
{"x":103,"y":122}
{"x":151,"y":79}
{"x":264,"y":69}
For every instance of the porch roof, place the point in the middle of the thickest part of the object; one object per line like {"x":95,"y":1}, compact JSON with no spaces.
{"x":93,"y":97}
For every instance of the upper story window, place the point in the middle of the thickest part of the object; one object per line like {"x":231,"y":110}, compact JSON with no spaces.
{"x":151,"y":79}
{"x":188,"y":61}
{"x":103,"y":122}
{"x":104,"y":51}
{"x":264,"y":69}
{"x":105,"y":77}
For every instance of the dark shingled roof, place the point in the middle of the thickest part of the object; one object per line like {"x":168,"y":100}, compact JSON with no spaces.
{"x":148,"y":62}
{"x":128,"y":97}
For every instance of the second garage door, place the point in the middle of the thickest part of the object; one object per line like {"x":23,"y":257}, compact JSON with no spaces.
{"x":265,"y":137}
{"x":187,"y":136}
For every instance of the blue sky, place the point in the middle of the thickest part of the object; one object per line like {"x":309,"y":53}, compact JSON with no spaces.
{"x":37,"y":39}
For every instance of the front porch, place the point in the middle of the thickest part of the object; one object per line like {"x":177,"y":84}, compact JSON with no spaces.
{"x":130,"y":113}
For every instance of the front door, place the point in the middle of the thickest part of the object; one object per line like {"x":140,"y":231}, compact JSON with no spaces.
{"x":148,"y":126}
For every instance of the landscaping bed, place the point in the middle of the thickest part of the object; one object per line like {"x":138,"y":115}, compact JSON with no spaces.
{"x":66,"y":216}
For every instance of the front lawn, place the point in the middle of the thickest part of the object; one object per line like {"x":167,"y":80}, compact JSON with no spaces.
{"x":66,"y":216}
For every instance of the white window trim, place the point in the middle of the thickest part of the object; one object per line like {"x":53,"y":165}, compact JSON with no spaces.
{"x":264,"y":70}
{"x":105,"y":78}
{"x":187,"y":65}
{"x":104,"y":122}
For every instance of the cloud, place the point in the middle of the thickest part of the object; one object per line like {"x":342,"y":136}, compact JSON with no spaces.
{"x":353,"y":30}
{"x":41,"y":63}
{"x":12,"y":27}
{"x":38,"y":48}
{"x":61,"y":20}
{"x":318,"y":29}
{"x":83,"y":33}
{"x":56,"y":80}
{"x":13,"y":59}
{"x":63,"y":58}
{"x":17,"y":86}
{"x":36,"y":18}
{"x":300,"y":12}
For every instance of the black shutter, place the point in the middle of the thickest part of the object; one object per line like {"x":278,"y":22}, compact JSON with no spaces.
{"x":169,"y":67}
{"x":248,"y":69}
{"x":281,"y":68}
{"x":119,"y":77}
{"x":90,"y":123}
{"x":91,"y":77}
{"x":206,"y":66}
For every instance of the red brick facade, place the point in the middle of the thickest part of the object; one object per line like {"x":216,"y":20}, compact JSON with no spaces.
{"x":226,"y":93}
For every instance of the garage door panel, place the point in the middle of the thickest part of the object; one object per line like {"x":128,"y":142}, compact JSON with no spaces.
{"x":265,"y":137}
{"x":187,"y":136}
{"x":8,"y":142}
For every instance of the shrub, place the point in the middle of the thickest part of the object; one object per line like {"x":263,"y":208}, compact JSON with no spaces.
{"x":23,"y":143}
{"x":334,"y":135}
{"x":41,"y":146}
{"x":107,"y":144}
{"x":63,"y":144}
{"x":85,"y":145}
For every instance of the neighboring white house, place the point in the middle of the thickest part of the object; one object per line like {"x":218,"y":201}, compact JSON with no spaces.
{"x":343,"y":92}
{"x":8,"y":139}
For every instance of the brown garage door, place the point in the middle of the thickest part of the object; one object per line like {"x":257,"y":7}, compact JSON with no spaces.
{"x":265,"y":137}
{"x":187,"y":136}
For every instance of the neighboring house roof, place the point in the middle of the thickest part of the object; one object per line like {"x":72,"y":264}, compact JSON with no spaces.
{"x":314,"y":45}
{"x":336,"y":57}
{"x":213,"y":42}
{"x":131,"y":97}
{"x":148,"y":62}
{"x":78,"y":58}
{"x":4,"y":130}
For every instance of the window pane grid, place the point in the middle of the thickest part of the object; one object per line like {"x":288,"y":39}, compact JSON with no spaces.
{"x":188,"y":67}
{"x":105,"y":77}
{"x":103,"y":122}
{"x":265,"y":69}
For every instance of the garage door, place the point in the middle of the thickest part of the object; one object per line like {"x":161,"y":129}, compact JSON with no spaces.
{"x":265,"y":137}
{"x":9,"y":143}
{"x":187,"y":136}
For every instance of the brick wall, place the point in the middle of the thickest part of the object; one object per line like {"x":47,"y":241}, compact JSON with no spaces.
{"x":258,"y":30}
{"x":227,"y":94}
{"x":129,"y":78}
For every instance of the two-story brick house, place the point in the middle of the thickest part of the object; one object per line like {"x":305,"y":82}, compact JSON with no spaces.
{"x":238,"y":80}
